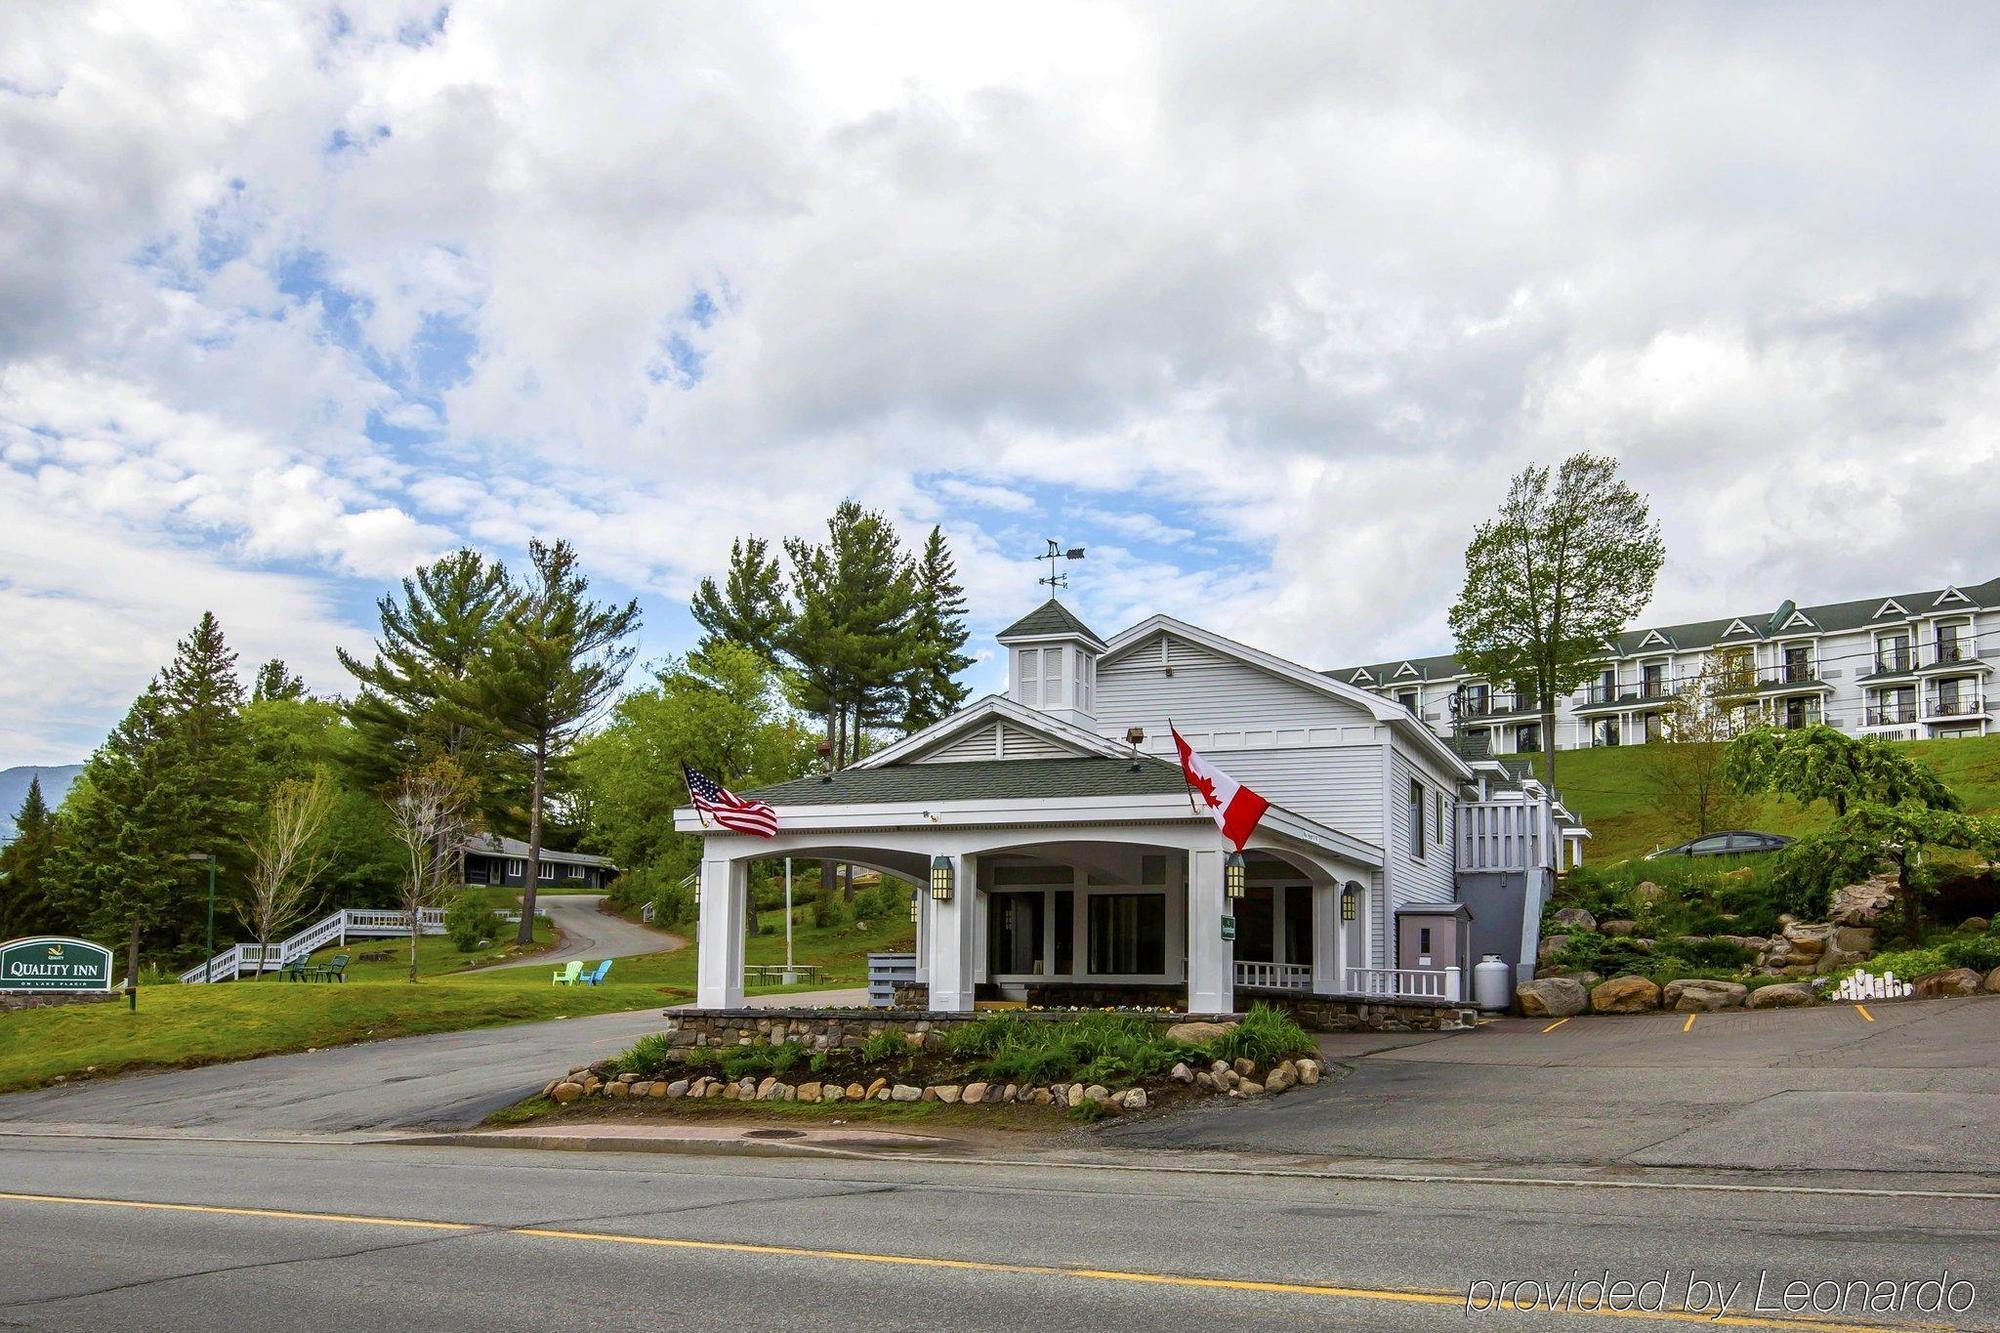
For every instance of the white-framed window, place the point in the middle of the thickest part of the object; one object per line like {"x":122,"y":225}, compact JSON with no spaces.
{"x":1416,"y":819}
{"x":517,"y":867}
{"x":549,"y":870}
{"x":1437,"y":824}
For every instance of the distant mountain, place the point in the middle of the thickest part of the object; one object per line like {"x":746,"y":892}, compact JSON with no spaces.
{"x":14,"y":789}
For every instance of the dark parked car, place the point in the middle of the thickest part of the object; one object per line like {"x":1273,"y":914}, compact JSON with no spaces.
{"x":1736,"y":842}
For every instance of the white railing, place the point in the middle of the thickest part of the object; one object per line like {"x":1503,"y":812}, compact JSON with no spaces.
{"x":1275,"y":976}
{"x":363,"y":922}
{"x":1503,"y":835}
{"x":1405,"y":983}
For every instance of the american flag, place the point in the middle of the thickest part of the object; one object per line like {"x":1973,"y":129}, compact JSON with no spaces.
{"x":728,"y":809}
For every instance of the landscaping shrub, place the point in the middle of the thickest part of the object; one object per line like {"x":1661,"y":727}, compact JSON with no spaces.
{"x":1091,"y":1047}
{"x":649,"y":1057}
{"x":888,"y":1044}
{"x":1980,"y":952}
{"x":469,"y":921}
{"x":1266,"y":1035}
{"x":760,"y":1059}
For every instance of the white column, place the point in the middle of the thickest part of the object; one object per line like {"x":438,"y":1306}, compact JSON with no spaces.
{"x":1326,"y":938}
{"x":1211,"y":959}
{"x":719,"y":935}
{"x":923,"y":931}
{"x":952,"y":941}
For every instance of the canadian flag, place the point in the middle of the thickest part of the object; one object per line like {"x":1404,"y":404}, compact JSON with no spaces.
{"x":1235,"y":808}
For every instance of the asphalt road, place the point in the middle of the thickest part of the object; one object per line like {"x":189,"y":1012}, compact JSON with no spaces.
{"x":537,"y":1241}
{"x":445,"y":1080}
{"x":1807,"y":1090}
{"x":591,"y":935}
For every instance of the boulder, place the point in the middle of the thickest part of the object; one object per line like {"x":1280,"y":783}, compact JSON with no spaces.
{"x":856,"y":1093}
{"x":879,"y":1085}
{"x":1859,"y":904}
{"x":1182,"y":1074}
{"x":616,"y":1090}
{"x":1785,"y":995}
{"x":764,"y":1089}
{"x":1837,"y":960}
{"x":1648,"y":892}
{"x":1249,"y":1089}
{"x":950,"y":1093}
{"x":1009,"y":1093}
{"x":1550,"y":946}
{"x":1551,"y":997}
{"x":975,"y":1093}
{"x":1625,"y":995}
{"x":1957,"y":981}
{"x":809,"y":1092}
{"x":1973,"y":925}
{"x":1074,"y":1095}
{"x":1993,"y":980}
{"x":1096,"y":1092}
{"x":903,"y":1092}
{"x":568,"y":1092}
{"x":1199,"y":1034}
{"x":1695,"y":995}
{"x":1617,"y":926}
{"x":1244,"y":1066}
{"x":1853,"y":939}
{"x":1205,"y":1081}
{"x":1308,"y":1072}
{"x":1576,"y":919}
{"x":1281,"y":1078}
{"x":678,"y":1088}
{"x":1109,"y":1104}
{"x":1135,"y":1099}
{"x":1043,"y":1096}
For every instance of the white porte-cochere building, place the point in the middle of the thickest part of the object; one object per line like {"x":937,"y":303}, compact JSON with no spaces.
{"x":1059,"y":859}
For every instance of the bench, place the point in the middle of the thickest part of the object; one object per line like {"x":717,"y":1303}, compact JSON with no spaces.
{"x":773,"y":974}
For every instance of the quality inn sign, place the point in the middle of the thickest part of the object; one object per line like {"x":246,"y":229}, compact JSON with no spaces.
{"x":50,"y":963}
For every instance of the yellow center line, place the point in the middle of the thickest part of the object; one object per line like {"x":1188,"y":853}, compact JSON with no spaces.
{"x":1689,"y":1025}
{"x":1392,"y":1295}
{"x":1553,"y":1026}
{"x":1862,"y":1009}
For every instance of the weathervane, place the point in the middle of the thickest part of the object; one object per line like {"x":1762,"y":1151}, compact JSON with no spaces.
{"x":1057,"y":552}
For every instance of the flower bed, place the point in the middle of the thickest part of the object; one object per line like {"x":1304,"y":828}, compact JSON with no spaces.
{"x":1092,"y":1063}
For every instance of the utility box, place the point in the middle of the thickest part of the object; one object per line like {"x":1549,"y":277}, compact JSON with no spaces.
{"x":1436,"y":938}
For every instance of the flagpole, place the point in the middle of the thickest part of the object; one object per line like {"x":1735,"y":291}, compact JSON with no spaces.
{"x":1180,"y":759}
{"x":791,"y":977}
{"x":699,"y":813}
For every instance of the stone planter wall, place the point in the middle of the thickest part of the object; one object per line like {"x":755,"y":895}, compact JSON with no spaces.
{"x":1353,"y":1013}
{"x":49,"y":999}
{"x":845,"y":1029}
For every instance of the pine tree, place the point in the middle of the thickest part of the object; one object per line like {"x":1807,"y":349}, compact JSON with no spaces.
{"x":552,"y":666}
{"x":24,"y":904}
{"x":749,"y":609}
{"x":432,"y":638}
{"x":937,"y":634}
{"x":276,"y":681}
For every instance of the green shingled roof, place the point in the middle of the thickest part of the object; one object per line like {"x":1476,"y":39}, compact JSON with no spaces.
{"x":1830,"y":617}
{"x":980,"y":780}
{"x":1051,"y":617}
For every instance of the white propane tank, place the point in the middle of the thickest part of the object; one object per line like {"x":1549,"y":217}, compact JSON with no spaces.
{"x":1491,"y":983}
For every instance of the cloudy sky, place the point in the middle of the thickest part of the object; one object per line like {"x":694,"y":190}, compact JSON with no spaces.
{"x":1261,"y":303}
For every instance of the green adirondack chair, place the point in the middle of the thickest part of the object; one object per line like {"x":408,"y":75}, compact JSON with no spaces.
{"x":566,"y":976}
{"x":335,"y":970}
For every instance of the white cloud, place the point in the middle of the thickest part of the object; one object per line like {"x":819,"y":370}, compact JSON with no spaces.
{"x":1281,"y":295}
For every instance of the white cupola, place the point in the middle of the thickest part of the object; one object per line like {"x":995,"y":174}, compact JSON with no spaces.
{"x":1052,"y":664}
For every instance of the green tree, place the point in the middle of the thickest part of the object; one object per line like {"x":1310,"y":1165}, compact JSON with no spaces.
{"x":551,"y":667}
{"x":1557,"y":574}
{"x":937,"y":637}
{"x":1849,"y":849}
{"x":749,"y":609}
{"x":24,"y":903}
{"x":291,"y":739}
{"x":276,"y":681}
{"x":848,"y":636}
{"x":433,"y":636}
{"x":722,"y":709}
{"x":1818,"y":763}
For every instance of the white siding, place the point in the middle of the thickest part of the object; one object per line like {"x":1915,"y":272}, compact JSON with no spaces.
{"x":1426,"y":880}
{"x":1340,"y":786}
{"x":1218,"y":703}
{"x":980,"y":743}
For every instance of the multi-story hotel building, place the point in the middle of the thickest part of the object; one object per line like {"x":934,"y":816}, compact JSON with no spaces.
{"x":1910,"y":666}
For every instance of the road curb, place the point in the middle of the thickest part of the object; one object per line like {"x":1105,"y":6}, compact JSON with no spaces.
{"x":681,"y":1147}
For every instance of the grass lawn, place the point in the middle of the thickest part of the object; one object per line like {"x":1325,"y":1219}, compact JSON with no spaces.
{"x":179,"y":1026}
{"x":1609,"y":789}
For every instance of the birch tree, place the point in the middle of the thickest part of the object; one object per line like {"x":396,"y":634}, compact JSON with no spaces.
{"x":429,"y":809}
{"x":288,"y":854}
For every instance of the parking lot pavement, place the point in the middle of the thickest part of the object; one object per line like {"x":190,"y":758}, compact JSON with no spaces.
{"x":1916,"y":1089}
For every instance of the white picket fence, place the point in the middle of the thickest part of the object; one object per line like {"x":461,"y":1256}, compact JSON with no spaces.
{"x":1397,"y":982}
{"x":349,"y":922}
{"x":1276,"y":976}
{"x":1868,"y":986}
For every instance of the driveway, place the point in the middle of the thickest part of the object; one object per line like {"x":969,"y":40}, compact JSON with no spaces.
{"x":444,"y":1080}
{"x":1915,"y":1090}
{"x":590,"y":934}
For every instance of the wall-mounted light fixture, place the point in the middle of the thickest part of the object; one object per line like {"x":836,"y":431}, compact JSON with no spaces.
{"x":1349,"y":904}
{"x":941,"y":878}
{"x":1233,"y":873}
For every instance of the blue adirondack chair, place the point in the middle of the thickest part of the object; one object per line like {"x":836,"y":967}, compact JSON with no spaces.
{"x":592,"y":978}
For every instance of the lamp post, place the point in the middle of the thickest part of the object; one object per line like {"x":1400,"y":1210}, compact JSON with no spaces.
{"x":208,"y":960}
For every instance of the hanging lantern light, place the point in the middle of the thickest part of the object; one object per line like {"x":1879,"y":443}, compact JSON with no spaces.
{"x":941,"y":878}
{"x":1233,"y":874}
{"x":1349,"y":904}
{"x":913,"y":908}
